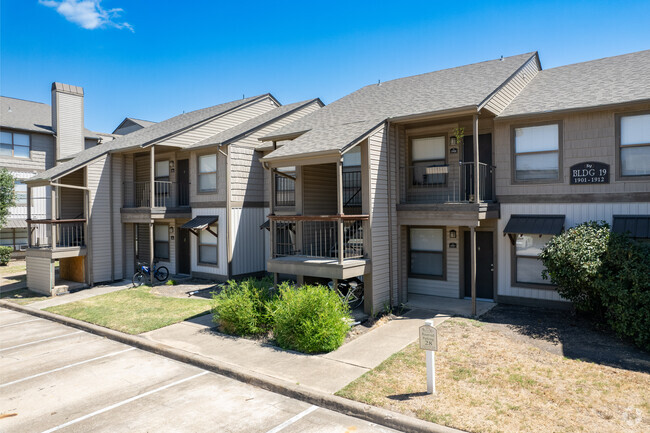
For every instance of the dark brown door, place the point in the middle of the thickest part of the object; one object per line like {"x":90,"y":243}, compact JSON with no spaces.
{"x":183,"y":256}
{"x":485,"y":157}
{"x":484,"y":266}
{"x":183,"y":180}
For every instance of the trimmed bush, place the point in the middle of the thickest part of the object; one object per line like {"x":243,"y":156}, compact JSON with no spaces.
{"x":245,"y":307}
{"x":310,"y":319}
{"x":5,"y":255}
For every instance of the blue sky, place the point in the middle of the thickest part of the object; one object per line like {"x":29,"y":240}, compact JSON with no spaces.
{"x":155,"y":59}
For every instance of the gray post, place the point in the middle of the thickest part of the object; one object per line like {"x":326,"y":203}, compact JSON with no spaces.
{"x":472,"y":239}
{"x":477,"y":182}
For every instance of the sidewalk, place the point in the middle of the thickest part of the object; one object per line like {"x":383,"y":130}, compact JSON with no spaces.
{"x":82,"y":294}
{"x":326,"y":373}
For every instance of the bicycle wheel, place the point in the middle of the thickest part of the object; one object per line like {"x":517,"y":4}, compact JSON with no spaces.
{"x":138,"y":279}
{"x":355,"y":297}
{"x":161,"y":274}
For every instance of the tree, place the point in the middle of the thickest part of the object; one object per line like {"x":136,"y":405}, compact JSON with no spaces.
{"x":7,"y":194}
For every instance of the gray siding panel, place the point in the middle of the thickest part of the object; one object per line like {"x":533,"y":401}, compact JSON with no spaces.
{"x":41,"y":155}
{"x":70,"y":124}
{"x":40,"y":274}
{"x":319,"y":189}
{"x":98,"y":180}
{"x":501,"y":99}
{"x":248,"y":240}
{"x":116,"y":229}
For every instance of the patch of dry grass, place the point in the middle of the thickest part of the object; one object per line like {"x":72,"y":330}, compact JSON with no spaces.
{"x":487,"y":382}
{"x":22,"y":296}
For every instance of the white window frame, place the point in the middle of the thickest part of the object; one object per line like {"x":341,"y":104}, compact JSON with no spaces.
{"x":418,"y":165}
{"x":515,"y":264}
{"x":207,"y":173}
{"x":637,"y":143}
{"x":199,"y":245}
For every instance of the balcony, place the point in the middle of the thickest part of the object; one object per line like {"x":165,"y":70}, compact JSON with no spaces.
{"x":449,"y":183}
{"x":170,"y":199}
{"x":57,"y":238}
{"x":309,"y":245}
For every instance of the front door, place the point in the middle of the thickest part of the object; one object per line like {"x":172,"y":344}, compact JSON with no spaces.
{"x":485,"y":157}
{"x":183,"y":256}
{"x":484,"y":265}
{"x":183,"y":180}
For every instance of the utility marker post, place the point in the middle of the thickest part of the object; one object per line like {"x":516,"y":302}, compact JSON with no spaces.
{"x":429,"y":342}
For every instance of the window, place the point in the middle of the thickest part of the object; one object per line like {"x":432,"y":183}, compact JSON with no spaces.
{"x":428,"y":152}
{"x":14,"y":144}
{"x":21,"y":193}
{"x":208,"y":246}
{"x":20,"y":237}
{"x":285,"y":188}
{"x":426,"y":252}
{"x":352,"y":179}
{"x":635,"y":145}
{"x":162,"y":170}
{"x":528,"y":266}
{"x":537,"y":153}
{"x":208,"y":173}
{"x":14,"y":238}
{"x":161,"y":241}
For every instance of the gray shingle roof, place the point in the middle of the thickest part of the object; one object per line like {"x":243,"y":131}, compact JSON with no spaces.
{"x":459,"y":87}
{"x":240,"y":130}
{"x":143,"y":136}
{"x":612,"y":80}
{"x":143,"y":123}
{"x":29,"y":116}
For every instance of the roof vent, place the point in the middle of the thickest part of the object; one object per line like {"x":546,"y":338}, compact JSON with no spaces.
{"x":379,"y":82}
{"x":502,"y":58}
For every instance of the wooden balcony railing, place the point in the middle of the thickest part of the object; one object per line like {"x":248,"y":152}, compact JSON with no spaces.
{"x":318,"y":236}
{"x":56,"y":233}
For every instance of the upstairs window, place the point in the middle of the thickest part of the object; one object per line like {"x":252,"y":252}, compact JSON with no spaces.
{"x":635,"y":145}
{"x":208,"y":173}
{"x":352,"y":179}
{"x":14,"y":144}
{"x":537,"y":153}
{"x":162,"y":170}
{"x":426,"y":154}
{"x":285,"y":188}
{"x":21,"y":193}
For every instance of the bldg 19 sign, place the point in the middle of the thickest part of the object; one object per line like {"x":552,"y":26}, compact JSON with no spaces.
{"x":589,"y":172}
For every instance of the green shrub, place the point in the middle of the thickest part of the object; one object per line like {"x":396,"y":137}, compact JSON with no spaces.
{"x":5,"y":255}
{"x":310,"y":319}
{"x":245,"y":307}
{"x":573,"y":262}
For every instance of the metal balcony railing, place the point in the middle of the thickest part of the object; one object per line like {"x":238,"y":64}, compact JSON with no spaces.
{"x":448,"y":183}
{"x":166,"y":194}
{"x":57,"y":233}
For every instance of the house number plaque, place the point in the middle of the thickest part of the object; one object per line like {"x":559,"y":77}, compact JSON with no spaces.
{"x":589,"y":172}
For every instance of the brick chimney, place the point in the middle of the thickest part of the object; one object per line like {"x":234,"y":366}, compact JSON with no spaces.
{"x":68,"y":120}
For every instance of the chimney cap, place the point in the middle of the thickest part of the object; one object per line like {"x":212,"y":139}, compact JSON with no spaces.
{"x":68,"y":88}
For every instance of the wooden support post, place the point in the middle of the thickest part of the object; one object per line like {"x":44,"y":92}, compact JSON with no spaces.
{"x":472,"y":247}
{"x":152,"y":177}
{"x":477,"y":181}
{"x":29,"y":216}
{"x":53,"y":227}
{"x":339,"y":201}
{"x":151,"y":252}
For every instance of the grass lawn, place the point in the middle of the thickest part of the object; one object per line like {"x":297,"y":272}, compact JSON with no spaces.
{"x":22,"y":296}
{"x":133,"y":310}
{"x":13,"y":267}
{"x":487,"y":382}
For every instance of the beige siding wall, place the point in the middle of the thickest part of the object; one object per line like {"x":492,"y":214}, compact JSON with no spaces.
{"x":501,"y":99}
{"x":98,"y":180}
{"x":117,"y":166}
{"x":319,"y":189}
{"x":41,"y":157}
{"x":218,"y":196}
{"x":248,"y":240}
{"x":40,"y":274}
{"x":246,"y":175}
{"x":586,"y":137}
{"x":450,"y":286}
{"x":71,"y":201}
{"x":69,"y":124}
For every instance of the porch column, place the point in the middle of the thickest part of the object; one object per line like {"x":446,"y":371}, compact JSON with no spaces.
{"x":152,"y":177}
{"x":472,"y":247}
{"x":477,"y":182}
{"x":29,"y":216}
{"x":151,"y":252}
{"x":339,"y":202}
{"x":53,"y":227}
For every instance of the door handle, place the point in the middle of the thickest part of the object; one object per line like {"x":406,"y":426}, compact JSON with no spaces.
{"x":491,"y":267}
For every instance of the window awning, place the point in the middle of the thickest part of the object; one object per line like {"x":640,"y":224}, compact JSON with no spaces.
{"x":266,"y":225}
{"x":534,"y":224}
{"x":637,"y":226}
{"x":200,"y":222}
{"x":15,"y":224}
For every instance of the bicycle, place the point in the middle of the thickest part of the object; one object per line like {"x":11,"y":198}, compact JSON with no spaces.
{"x":161,"y":274}
{"x":350,"y":291}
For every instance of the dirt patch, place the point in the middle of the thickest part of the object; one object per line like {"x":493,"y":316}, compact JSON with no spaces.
{"x":491,"y":380}
{"x":193,"y":288}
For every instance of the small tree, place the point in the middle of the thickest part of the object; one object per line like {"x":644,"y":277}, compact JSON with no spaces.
{"x":7,"y":195}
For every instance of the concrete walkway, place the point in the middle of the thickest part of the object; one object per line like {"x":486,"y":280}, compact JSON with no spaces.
{"x":82,"y":294}
{"x":327,"y":373}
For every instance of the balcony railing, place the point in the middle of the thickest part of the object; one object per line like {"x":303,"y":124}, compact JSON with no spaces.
{"x":448,"y":183}
{"x":57,"y":233}
{"x":166,"y":194}
{"x":318,"y":236}
{"x":285,"y":191}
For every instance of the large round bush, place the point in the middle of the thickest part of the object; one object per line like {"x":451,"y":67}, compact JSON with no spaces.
{"x":245,"y":307}
{"x":310,"y":319}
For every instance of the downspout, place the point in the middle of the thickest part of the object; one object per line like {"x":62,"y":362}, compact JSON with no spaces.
{"x":391,"y":291}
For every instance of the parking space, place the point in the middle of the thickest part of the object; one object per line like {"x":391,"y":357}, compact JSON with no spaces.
{"x":57,"y":378}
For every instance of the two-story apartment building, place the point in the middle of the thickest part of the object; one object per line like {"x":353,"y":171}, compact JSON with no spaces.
{"x":31,"y":138}
{"x":463,"y":175}
{"x":187,"y":193}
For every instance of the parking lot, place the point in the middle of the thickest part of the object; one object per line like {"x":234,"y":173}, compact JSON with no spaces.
{"x":58,"y":378}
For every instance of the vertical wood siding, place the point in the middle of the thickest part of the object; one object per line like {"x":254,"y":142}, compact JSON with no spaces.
{"x":117,"y":227}
{"x":99,"y":183}
{"x":70,"y":124}
{"x":248,"y":241}
{"x":222,"y":252}
{"x":575,"y":214}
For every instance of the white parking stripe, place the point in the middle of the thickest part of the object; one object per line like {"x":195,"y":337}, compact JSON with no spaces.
{"x":290,"y":421}
{"x":64,"y":367}
{"x":122,"y":403}
{"x":39,"y":341}
{"x":18,"y":323}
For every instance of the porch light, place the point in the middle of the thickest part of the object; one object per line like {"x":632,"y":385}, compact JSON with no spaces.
{"x":452,"y":234}
{"x":171,"y":230}
{"x":171,"y":166}
{"x":452,"y":141}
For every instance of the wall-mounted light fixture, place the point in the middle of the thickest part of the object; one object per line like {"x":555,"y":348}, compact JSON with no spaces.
{"x":171,"y":229}
{"x":171,"y":166}
{"x":452,"y":234}
{"x":452,"y":141}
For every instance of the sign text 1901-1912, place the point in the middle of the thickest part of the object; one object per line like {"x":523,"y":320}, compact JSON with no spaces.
{"x":589,"y":173}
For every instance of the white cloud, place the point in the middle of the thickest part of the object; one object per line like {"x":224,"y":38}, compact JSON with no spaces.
{"x":89,"y":14}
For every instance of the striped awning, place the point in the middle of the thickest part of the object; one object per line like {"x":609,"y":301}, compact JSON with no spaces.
{"x":200,"y":222}
{"x":637,"y":226}
{"x":535,"y":224}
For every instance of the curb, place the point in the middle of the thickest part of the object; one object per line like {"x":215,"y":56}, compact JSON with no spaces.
{"x":366,"y":412}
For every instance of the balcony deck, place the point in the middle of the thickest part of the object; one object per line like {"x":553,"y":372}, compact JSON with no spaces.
{"x":319,"y":267}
